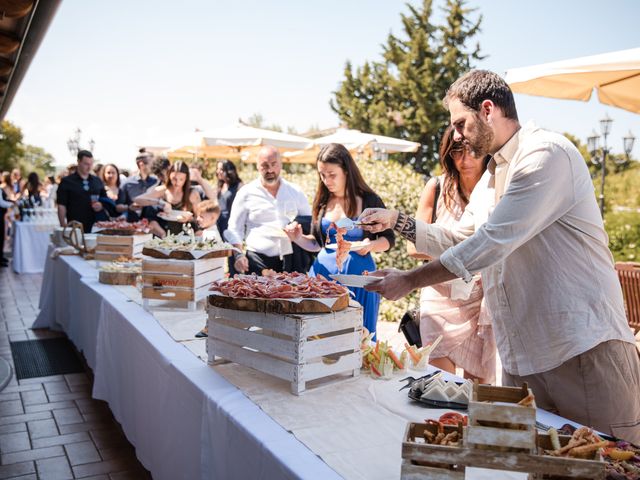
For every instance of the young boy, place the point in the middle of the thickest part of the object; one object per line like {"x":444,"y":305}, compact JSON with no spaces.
{"x":207,"y":213}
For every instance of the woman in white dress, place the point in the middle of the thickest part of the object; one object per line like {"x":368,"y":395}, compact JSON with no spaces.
{"x":454,"y":309}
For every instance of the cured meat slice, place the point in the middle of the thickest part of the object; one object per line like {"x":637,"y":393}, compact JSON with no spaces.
{"x":343,"y":246}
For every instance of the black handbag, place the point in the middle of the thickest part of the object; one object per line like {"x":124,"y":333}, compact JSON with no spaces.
{"x":409,"y":326}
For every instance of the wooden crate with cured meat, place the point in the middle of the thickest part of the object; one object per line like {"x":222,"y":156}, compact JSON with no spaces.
{"x":179,"y":280}
{"x":111,"y":247}
{"x":295,"y":347}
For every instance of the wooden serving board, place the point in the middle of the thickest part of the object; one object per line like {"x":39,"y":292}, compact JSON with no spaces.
{"x":119,"y":232}
{"x":278,"y":305}
{"x":118,"y":278}
{"x":185,"y":255}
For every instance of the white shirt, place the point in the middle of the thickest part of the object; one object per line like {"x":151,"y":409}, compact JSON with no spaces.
{"x":256,"y":217}
{"x":211,"y":233}
{"x":547,"y":271}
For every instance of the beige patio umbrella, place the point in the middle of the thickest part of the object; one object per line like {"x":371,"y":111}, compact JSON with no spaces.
{"x":615,"y":75}
{"x":238,"y":141}
{"x":358,"y":143}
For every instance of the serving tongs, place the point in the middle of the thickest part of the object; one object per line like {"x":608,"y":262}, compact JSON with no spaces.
{"x":349,"y":224}
{"x":430,"y":376}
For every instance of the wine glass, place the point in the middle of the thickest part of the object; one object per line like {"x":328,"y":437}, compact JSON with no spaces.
{"x":290,"y":210}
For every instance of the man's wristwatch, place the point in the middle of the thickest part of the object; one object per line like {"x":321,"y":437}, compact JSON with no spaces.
{"x":237,"y":255}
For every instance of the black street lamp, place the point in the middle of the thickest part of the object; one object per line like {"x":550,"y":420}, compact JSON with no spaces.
{"x":600,"y":158}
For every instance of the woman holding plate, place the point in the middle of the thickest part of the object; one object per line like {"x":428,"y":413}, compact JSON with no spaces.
{"x":343,"y":193}
{"x":175,"y":198}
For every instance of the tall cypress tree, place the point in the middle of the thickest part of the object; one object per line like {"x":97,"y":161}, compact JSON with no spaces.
{"x":401,"y":94}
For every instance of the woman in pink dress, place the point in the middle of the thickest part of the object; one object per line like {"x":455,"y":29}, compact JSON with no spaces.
{"x":455,"y":309}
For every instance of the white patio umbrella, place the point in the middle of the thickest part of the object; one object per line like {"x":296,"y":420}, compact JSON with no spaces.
{"x":239,"y":141}
{"x":615,"y":75}
{"x":358,"y":142}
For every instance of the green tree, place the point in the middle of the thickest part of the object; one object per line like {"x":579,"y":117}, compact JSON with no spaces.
{"x":11,"y":148}
{"x":36,"y":159}
{"x":401,"y":94}
{"x":15,"y":154}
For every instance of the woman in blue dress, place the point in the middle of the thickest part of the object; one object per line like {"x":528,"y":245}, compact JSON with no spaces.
{"x":343,"y":193}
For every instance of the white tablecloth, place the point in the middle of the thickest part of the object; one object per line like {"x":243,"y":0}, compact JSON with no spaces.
{"x":185,"y":420}
{"x":30,"y":243}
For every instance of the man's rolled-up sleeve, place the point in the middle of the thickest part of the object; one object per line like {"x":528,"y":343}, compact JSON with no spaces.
{"x":540,"y":192}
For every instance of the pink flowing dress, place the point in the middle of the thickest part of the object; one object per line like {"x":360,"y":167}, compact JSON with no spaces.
{"x":463,"y":320}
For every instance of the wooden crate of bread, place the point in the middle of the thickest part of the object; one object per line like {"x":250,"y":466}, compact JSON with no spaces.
{"x":179,"y":280}
{"x":111,"y":247}
{"x":297,"y":348}
{"x":502,"y":419}
{"x":423,"y":460}
{"x":423,"y":455}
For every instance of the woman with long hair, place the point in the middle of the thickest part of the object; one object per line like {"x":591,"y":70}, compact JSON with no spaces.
{"x":175,"y":194}
{"x":110,"y":176}
{"x":343,"y":193}
{"x":455,"y":309}
{"x":33,"y":189}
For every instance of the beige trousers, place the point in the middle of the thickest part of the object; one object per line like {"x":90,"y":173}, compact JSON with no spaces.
{"x":599,"y":388}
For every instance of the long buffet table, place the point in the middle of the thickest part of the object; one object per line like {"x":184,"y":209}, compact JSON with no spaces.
{"x":189,"y":420}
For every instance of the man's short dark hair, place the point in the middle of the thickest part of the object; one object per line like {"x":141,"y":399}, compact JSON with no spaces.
{"x":160,"y":164}
{"x":476,"y":86}
{"x":84,"y":153}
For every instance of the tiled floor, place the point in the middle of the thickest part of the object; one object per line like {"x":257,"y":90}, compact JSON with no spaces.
{"x":50,"y":427}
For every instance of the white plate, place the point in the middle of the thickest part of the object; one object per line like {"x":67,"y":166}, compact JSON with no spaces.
{"x":354,"y":280}
{"x":354,"y":246}
{"x":176,"y":216}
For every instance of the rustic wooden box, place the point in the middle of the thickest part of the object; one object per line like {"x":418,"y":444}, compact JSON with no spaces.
{"x":297,"y":348}
{"x":497,"y":422}
{"x":179,"y":280}
{"x":110,"y":247}
{"x":421,"y":460}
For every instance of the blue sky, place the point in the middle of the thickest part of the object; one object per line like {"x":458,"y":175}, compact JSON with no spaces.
{"x":147,"y":72}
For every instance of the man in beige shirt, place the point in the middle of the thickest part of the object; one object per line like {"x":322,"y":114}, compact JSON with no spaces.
{"x":548,"y":275}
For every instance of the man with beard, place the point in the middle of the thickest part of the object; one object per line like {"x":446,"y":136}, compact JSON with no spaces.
{"x":548,"y":275}
{"x":257,"y":216}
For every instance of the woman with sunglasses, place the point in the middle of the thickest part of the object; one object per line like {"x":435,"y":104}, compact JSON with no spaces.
{"x":454,"y":309}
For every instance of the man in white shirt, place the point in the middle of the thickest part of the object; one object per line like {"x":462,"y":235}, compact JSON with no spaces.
{"x":258,"y":216}
{"x":548,"y":275}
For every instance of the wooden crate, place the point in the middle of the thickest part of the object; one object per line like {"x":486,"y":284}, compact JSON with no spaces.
{"x":497,"y":422}
{"x":421,"y":460}
{"x":179,"y":280}
{"x":110,"y":247}
{"x":297,"y":348}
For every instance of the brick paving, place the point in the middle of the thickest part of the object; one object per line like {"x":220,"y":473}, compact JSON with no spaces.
{"x":50,"y":427}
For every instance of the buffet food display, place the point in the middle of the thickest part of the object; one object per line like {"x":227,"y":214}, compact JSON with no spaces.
{"x":111,"y":246}
{"x":280,"y":293}
{"x":122,"y":271}
{"x":501,"y":435}
{"x":181,"y":268}
{"x":186,"y":246}
{"x":122,"y":227}
{"x":272,"y":324}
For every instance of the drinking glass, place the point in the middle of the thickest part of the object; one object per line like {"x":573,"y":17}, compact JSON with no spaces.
{"x":289,"y":210}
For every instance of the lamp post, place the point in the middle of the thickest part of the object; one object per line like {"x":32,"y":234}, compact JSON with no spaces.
{"x":600,"y":158}
{"x":73,"y":144}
